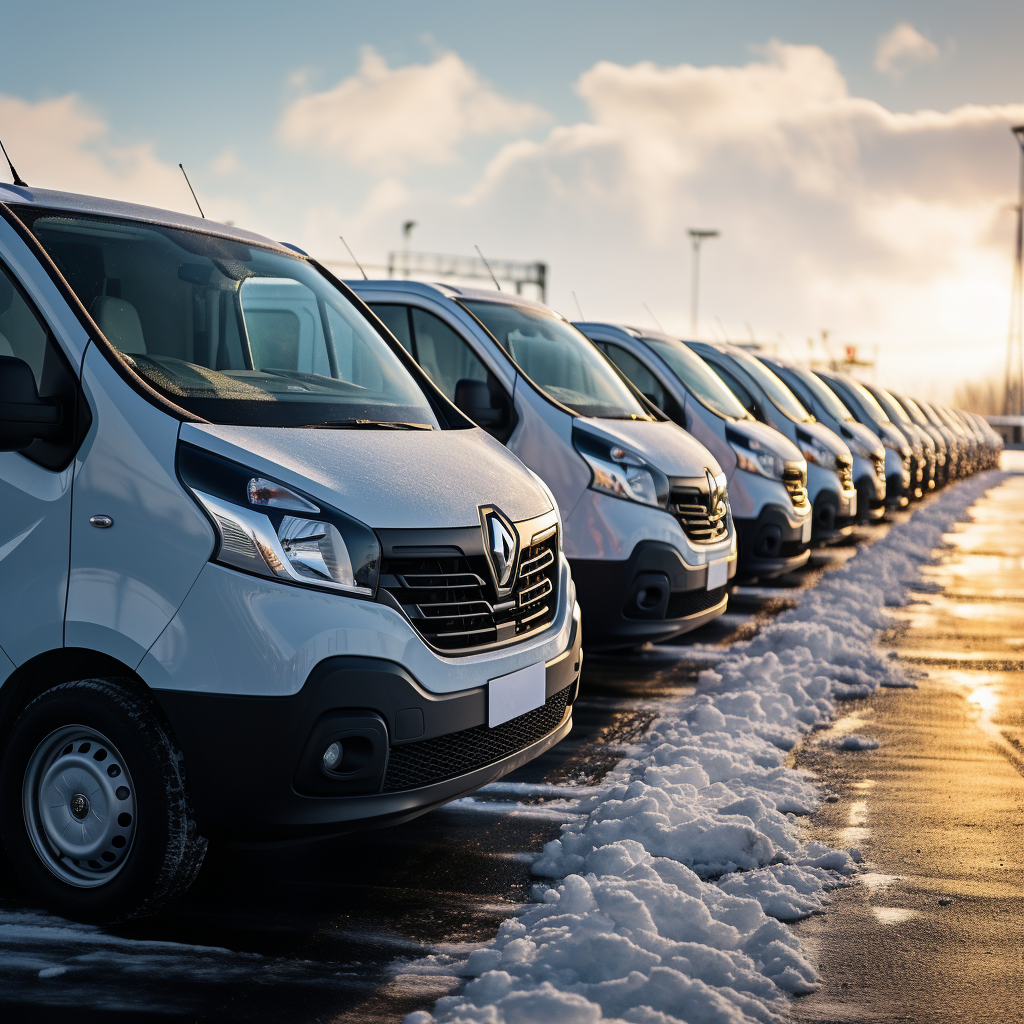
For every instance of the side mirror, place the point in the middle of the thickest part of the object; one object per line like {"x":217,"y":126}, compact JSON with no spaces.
{"x":24,"y":416}
{"x":473,"y":397}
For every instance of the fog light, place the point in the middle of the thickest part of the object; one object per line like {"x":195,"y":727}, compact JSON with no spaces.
{"x":332,"y":756}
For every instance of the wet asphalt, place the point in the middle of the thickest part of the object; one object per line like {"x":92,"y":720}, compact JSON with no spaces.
{"x":936,"y":933}
{"x":363,"y":928}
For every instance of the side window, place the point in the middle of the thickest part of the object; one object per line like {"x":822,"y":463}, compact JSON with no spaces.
{"x":396,"y":320}
{"x":22,"y":333}
{"x":645,"y":381}
{"x":445,"y":357}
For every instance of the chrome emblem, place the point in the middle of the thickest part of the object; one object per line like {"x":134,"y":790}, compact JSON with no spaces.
{"x":502,"y":545}
{"x":713,"y":496}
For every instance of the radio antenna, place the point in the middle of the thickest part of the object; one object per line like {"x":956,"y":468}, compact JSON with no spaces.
{"x":193,"y":191}
{"x":654,"y":318}
{"x":353,"y":255}
{"x":579,"y":308}
{"x":488,"y":266}
{"x":14,"y":174}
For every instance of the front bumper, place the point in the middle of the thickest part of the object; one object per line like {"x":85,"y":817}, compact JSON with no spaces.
{"x":653,"y":595}
{"x":255,"y":763}
{"x":774,"y":543}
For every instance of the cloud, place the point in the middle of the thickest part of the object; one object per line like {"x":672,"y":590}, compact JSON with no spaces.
{"x":66,"y":145}
{"x":834,"y":211}
{"x":385,"y":119}
{"x":902,"y":47}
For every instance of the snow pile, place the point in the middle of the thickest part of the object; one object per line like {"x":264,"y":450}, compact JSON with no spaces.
{"x":675,"y":875}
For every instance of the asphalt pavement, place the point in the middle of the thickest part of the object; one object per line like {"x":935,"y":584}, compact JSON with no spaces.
{"x":936,"y":932}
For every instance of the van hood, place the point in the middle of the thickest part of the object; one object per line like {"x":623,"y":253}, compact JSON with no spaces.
{"x":662,"y":443}
{"x":825,"y":437}
{"x":771,"y":438}
{"x":387,"y":479}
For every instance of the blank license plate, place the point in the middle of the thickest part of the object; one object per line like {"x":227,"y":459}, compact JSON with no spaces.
{"x":513,"y":695}
{"x":718,"y":573}
{"x":805,"y":533}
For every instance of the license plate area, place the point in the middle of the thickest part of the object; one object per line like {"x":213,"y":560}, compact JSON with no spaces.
{"x":718,"y":573}
{"x":514,"y":694}
{"x":805,"y":531}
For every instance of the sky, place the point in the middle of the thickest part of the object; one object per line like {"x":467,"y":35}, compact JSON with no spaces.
{"x":857,"y":162}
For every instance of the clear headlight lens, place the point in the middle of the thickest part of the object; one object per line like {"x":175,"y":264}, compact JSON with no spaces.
{"x":255,"y":535}
{"x":620,"y":472}
{"x":753,"y":457}
{"x":817,"y":455}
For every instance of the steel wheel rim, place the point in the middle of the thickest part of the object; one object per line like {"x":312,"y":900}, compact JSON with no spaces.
{"x":79,"y":805}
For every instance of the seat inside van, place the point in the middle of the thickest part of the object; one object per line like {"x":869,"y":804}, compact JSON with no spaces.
{"x":120,"y":324}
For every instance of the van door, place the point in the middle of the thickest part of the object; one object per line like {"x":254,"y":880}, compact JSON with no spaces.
{"x":35,"y":492}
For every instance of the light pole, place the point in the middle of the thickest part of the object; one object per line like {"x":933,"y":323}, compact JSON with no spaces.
{"x":406,"y":235}
{"x":697,"y":236}
{"x":1013,"y":399}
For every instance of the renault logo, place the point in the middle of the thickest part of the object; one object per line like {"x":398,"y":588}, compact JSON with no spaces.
{"x":713,"y":495}
{"x":502,"y":545}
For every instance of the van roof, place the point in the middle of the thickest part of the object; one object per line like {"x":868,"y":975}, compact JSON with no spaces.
{"x":71,"y":202}
{"x":449,"y":291}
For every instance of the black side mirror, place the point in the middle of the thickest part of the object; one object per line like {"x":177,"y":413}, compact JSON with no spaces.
{"x":473,"y":397}
{"x":24,"y":416}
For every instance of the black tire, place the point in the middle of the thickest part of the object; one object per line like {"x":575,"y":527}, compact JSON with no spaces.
{"x":166,"y":850}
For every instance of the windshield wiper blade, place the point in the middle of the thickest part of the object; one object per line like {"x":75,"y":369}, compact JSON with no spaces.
{"x":372,"y":425}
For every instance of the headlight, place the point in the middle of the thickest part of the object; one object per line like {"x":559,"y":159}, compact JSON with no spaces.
{"x":754,"y":457}
{"x":620,"y":472}
{"x":860,"y":449}
{"x":257,"y":533}
{"x":817,"y":455}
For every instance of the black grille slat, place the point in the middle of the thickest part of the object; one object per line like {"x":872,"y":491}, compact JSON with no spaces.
{"x":691,"y":602}
{"x":444,"y":757}
{"x":452,"y":601}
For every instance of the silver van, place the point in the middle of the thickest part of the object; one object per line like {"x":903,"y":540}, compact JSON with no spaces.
{"x":260,"y":581}
{"x":868,"y":453}
{"x":829,"y":461}
{"x":648,"y":532}
{"x":767,"y":474}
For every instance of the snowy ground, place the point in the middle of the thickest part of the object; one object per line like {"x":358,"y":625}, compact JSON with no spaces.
{"x":669,"y":885}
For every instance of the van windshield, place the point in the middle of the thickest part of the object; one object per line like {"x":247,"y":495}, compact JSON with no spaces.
{"x":784,"y":399}
{"x":559,"y":359}
{"x":699,"y":379}
{"x":823,"y":394}
{"x":232,"y":332}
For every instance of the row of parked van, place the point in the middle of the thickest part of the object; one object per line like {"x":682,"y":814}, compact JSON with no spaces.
{"x":281,"y":557}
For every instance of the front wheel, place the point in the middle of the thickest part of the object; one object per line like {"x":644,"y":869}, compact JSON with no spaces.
{"x":94,"y":804}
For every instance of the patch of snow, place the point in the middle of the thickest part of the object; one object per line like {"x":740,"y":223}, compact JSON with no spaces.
{"x":670,"y":882}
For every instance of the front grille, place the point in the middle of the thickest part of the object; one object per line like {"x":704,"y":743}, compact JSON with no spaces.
{"x":452,"y":602}
{"x":689,"y":500}
{"x":691,"y":602}
{"x":844,"y":467}
{"x":795,"y":479}
{"x":445,"y":757}
{"x":879,"y":461}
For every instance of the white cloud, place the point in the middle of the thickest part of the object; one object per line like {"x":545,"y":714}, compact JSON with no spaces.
{"x":384,"y":119}
{"x":902,"y":47}
{"x":63,"y":144}
{"x":834,"y":211}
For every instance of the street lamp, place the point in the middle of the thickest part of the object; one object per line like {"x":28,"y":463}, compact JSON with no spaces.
{"x":697,"y":236}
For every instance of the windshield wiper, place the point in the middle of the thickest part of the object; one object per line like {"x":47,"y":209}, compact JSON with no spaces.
{"x":371,"y":425}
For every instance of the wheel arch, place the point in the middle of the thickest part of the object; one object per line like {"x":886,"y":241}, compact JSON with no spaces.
{"x":63,"y":665}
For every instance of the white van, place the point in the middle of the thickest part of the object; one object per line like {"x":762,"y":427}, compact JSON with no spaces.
{"x":648,"y":528}
{"x":259,"y":579}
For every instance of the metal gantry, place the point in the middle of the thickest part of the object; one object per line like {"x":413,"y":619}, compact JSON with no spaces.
{"x":433,"y":264}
